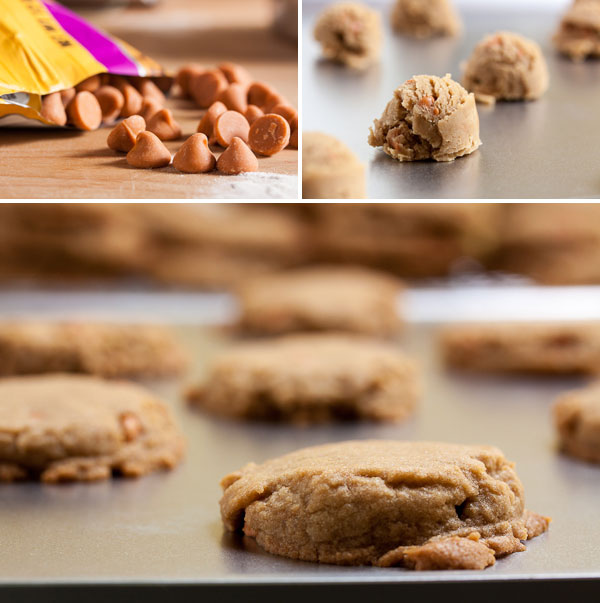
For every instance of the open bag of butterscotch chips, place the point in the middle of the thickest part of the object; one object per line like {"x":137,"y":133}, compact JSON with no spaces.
{"x":45,"y":48}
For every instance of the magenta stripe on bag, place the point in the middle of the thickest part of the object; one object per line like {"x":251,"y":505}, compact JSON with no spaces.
{"x":103,"y":49}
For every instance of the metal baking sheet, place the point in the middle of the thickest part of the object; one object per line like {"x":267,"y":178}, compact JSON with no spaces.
{"x":542,"y":149}
{"x":165,"y":529}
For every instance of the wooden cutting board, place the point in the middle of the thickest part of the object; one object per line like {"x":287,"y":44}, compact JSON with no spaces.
{"x":62,"y":163}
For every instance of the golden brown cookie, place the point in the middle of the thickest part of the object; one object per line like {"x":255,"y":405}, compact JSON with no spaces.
{"x":310,"y":379}
{"x":323,"y":298}
{"x":78,"y":428}
{"x":422,"y":505}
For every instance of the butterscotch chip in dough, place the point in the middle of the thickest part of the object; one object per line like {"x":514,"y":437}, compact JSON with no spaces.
{"x":310,"y":378}
{"x":350,"y":33}
{"x":59,"y":428}
{"x":422,"y":505}
{"x":578,"y":35}
{"x":324,"y":298}
{"x":554,"y":348}
{"x":103,"y":349}
{"x":507,"y":66}
{"x":425,"y":18}
{"x":577,"y":420}
{"x":330,"y":170}
{"x":428,"y":117}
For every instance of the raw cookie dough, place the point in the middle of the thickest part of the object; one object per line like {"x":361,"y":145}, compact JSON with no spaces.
{"x":578,"y":35}
{"x":350,"y":33}
{"x":78,"y":428}
{"x":107,"y":350}
{"x":422,"y":505}
{"x":330,"y":170}
{"x":311,"y":378}
{"x":323,"y":298}
{"x":554,"y":348}
{"x":577,"y":420}
{"x":506,"y":66}
{"x":428,"y":118}
{"x":425,"y":18}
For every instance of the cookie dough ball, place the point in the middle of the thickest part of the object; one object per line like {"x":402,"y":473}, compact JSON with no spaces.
{"x":330,"y":170}
{"x":350,"y":33}
{"x":425,"y":18}
{"x":323,"y":298}
{"x":312,"y":378}
{"x":421,"y":505}
{"x":578,"y":35}
{"x":428,"y":117}
{"x":577,"y":420}
{"x":507,"y":66}
{"x":60,"y":428}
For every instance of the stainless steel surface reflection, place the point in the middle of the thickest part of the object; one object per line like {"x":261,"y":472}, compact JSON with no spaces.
{"x":166,"y":527}
{"x":539,"y":149}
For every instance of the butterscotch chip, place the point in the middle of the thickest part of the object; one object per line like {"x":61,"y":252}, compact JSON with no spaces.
{"x":148,"y":152}
{"x":237,"y":158}
{"x":258,"y":93}
{"x":207,"y":123}
{"x":235,"y":74}
{"x":194,"y":156}
{"x":349,"y":33}
{"x":326,"y":298}
{"x":577,"y":420}
{"x":207,"y":87}
{"x":185,"y":74}
{"x":53,"y":109}
{"x":310,"y":378}
{"x":164,"y":126}
{"x":150,"y":107}
{"x":102,"y":349}
{"x":111,"y":102}
{"x":422,"y":505}
{"x":271,"y":101}
{"x":84,"y":111}
{"x":252,"y":113}
{"x":234,"y":98}
{"x":122,"y":136}
{"x":91,"y":84}
{"x":59,"y":428}
{"x":428,"y":118}
{"x":132,"y":100}
{"x":294,"y":135}
{"x":567,"y":348}
{"x":425,"y":19}
{"x":269,"y":134}
{"x":67,"y":96}
{"x":228,"y":125}
{"x":287,"y":112}
{"x":148,"y":89}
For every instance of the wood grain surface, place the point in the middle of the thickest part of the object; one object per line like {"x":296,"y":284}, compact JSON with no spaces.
{"x":38,"y":162}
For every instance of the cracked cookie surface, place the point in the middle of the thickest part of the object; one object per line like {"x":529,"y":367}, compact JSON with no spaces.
{"x":77,"y":428}
{"x":428,"y":118}
{"x":422,"y":505}
{"x":310,"y":378}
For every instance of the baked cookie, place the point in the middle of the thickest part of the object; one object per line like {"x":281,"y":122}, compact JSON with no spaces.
{"x":559,"y":348}
{"x":349,"y":33}
{"x":413,"y":240}
{"x":107,"y":350}
{"x":330,"y":170}
{"x":577,"y":420}
{"x":326,"y":298}
{"x":425,"y":18}
{"x":578,"y":35}
{"x":79,"y":428}
{"x":506,"y":66}
{"x":310,"y":379}
{"x":421,"y":505}
{"x":428,"y":117}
